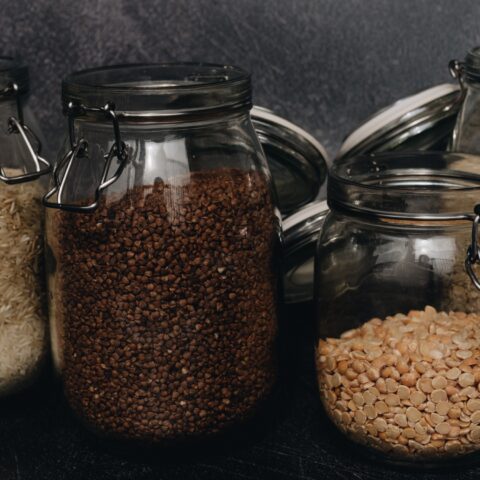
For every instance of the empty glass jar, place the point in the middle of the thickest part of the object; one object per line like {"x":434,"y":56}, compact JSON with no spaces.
{"x":398,"y":317}
{"x":23,"y":335}
{"x":163,"y":247}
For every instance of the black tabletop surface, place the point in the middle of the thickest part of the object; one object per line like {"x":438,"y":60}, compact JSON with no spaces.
{"x":40,"y":438}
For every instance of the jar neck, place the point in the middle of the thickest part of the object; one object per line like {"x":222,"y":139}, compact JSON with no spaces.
{"x":8,"y":104}
{"x":472,"y":86}
{"x":429,"y":187}
{"x":95,"y":122}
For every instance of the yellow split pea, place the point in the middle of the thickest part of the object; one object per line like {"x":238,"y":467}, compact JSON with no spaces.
{"x":407,"y":385}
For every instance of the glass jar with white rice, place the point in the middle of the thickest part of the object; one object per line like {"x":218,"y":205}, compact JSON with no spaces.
{"x":23,"y":320}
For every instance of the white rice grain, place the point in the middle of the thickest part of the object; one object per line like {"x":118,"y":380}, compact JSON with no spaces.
{"x":22,"y":313}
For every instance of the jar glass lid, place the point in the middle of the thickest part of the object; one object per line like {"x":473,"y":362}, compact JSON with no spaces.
{"x":297,"y":161}
{"x":423,"y":121}
{"x":160,"y":90}
{"x":472,"y":64}
{"x":12,"y":71}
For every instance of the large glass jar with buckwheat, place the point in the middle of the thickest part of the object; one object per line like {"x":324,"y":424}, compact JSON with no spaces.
{"x":163,"y":236}
{"x":397,"y":309}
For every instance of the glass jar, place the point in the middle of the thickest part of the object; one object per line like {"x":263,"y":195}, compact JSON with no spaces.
{"x":296,"y":160}
{"x":398,"y":346}
{"x":163,"y":248}
{"x":23,"y":335}
{"x":298,"y":165}
{"x":301,"y":231}
{"x":422,"y":121}
{"x":465,"y":138}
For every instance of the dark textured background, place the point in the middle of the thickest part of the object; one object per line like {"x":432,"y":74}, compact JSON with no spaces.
{"x":325,"y":64}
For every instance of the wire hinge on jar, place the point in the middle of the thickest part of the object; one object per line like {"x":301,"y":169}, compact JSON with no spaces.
{"x":79,"y":149}
{"x":16,"y":125}
{"x":457,"y":70}
{"x":473,"y":252}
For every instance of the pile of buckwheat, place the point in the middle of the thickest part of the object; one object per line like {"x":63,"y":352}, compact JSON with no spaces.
{"x":164,"y":308}
{"x":407,"y":385}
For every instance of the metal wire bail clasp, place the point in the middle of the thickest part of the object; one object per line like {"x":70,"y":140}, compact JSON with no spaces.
{"x":17,"y":126}
{"x":79,"y":150}
{"x":473,"y":250}
{"x":457,"y":70}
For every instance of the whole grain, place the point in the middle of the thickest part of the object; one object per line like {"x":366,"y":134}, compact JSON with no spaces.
{"x":166,"y":306}
{"x":23,"y":323}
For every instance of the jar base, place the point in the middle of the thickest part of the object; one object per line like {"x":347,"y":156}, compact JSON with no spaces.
{"x":263,"y":418}
{"x":363,"y":454}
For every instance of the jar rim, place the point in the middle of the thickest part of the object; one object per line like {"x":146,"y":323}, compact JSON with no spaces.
{"x":163,"y":89}
{"x":415,"y":185}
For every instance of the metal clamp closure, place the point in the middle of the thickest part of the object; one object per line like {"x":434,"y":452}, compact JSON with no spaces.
{"x":457,"y":70}
{"x":78,"y":150}
{"x":473,"y":250}
{"x":16,"y":125}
